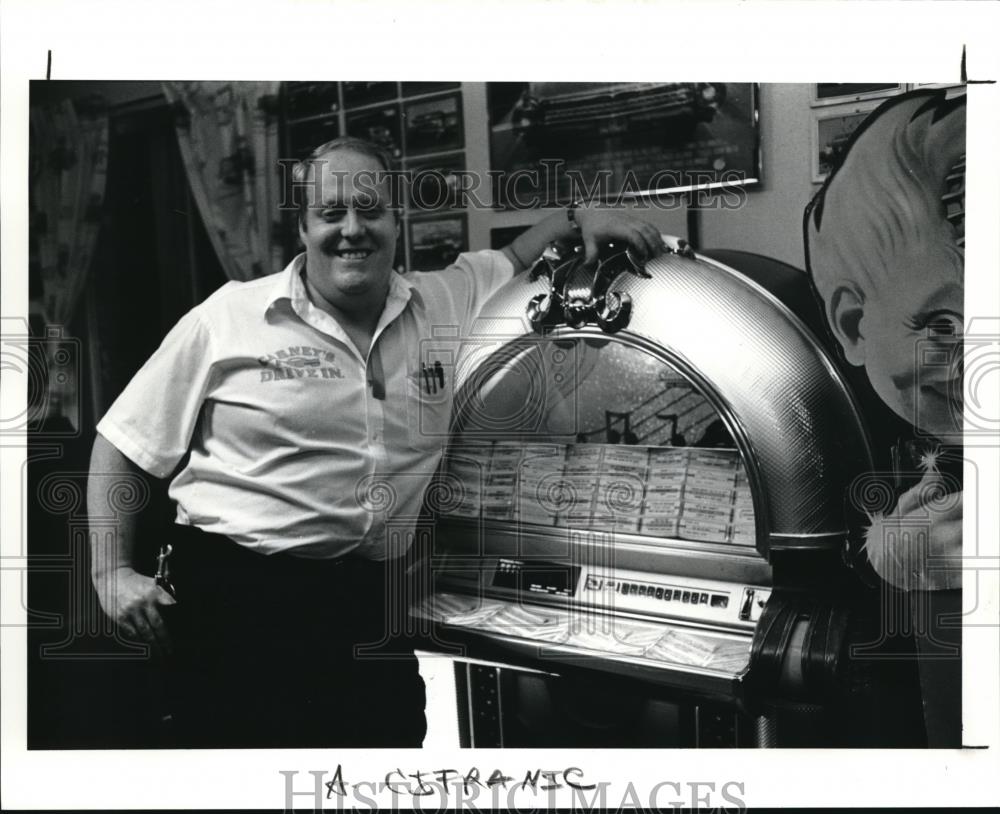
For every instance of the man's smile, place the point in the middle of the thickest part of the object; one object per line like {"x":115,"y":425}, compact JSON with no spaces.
{"x":352,"y":254}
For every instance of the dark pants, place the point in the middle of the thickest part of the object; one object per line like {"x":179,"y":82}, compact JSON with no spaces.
{"x":278,"y":651}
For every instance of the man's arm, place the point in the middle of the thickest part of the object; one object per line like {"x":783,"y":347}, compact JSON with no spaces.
{"x":132,"y":600}
{"x":597,"y":223}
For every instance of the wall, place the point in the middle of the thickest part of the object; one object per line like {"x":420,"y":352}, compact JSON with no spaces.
{"x":771,"y":221}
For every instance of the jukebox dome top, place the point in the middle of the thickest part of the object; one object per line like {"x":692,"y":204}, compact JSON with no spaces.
{"x":687,"y":352}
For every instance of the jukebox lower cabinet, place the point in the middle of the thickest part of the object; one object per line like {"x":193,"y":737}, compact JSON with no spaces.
{"x":640,"y":513}
{"x":500,"y":705}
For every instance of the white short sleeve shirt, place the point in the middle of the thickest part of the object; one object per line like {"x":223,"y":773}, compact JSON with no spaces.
{"x":271,"y":421}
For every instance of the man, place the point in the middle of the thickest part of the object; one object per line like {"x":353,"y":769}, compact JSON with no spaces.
{"x":276,"y":405}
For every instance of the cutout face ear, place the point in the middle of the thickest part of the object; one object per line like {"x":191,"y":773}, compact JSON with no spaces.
{"x":845,"y":310}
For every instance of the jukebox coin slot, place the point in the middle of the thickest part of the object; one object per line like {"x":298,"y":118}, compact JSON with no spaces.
{"x":752,"y":604}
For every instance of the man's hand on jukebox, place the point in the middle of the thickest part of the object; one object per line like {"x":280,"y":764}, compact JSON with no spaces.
{"x":592,"y":223}
{"x":600,"y":225}
{"x":918,"y":545}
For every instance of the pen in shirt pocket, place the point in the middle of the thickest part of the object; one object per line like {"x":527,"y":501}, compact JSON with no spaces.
{"x":433,"y":377}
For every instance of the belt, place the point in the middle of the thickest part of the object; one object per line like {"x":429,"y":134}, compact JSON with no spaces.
{"x":196,"y":550}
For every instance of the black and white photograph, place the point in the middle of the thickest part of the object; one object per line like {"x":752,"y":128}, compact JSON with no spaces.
{"x":832,"y":133}
{"x":641,"y":453}
{"x":434,"y":125}
{"x":633,"y":137}
{"x":436,"y":242}
{"x":570,"y":442}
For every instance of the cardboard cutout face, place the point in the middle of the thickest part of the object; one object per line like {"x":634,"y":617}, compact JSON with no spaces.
{"x":908,"y":336}
{"x":887,"y":258}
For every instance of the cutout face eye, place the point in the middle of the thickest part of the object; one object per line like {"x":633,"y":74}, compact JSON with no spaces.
{"x":937,"y":324}
{"x":944,"y":326}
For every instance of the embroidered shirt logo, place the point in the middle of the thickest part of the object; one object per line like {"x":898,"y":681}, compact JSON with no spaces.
{"x":299,"y":362}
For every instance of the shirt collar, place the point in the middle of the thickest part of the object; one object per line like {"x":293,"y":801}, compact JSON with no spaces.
{"x":288,"y":285}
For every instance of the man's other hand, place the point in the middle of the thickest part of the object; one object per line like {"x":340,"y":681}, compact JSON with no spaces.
{"x":134,"y":602}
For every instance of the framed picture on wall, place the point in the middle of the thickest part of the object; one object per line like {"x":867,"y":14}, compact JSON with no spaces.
{"x":436,"y":242}
{"x":553,"y":142}
{"x":380,"y":125}
{"x":836,"y":93}
{"x":434,"y":125}
{"x":433,"y":182}
{"x":831,"y":134}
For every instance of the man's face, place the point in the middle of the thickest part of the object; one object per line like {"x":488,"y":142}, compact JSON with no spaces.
{"x":912,"y":334}
{"x":350,"y":237}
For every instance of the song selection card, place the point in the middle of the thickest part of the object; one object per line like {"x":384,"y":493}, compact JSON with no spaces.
{"x":466,"y":468}
{"x":620,"y":488}
{"x":579,"y":485}
{"x":664,"y":491}
{"x":688,"y":493}
{"x":539,"y":485}
{"x":498,"y":494}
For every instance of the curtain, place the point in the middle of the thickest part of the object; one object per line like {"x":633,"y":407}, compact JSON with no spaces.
{"x":69,"y":170}
{"x":228,"y":136}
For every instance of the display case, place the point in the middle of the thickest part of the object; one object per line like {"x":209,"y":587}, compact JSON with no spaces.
{"x":645,"y":483}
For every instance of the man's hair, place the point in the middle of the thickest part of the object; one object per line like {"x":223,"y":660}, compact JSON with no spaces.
{"x":301,"y":191}
{"x":885,"y":198}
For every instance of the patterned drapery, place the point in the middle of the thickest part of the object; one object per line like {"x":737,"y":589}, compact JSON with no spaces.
{"x":69,"y":173}
{"x":69,"y":170}
{"x":228,"y":136}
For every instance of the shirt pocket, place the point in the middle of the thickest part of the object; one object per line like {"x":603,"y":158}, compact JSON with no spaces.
{"x":428,"y":405}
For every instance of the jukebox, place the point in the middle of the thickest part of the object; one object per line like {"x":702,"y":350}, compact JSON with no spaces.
{"x":640,"y":516}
